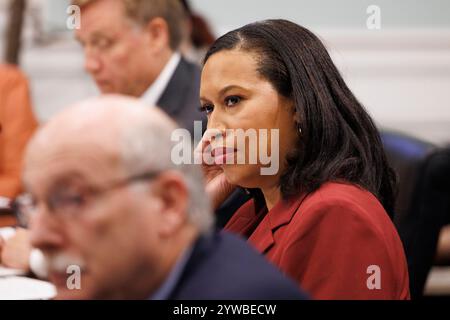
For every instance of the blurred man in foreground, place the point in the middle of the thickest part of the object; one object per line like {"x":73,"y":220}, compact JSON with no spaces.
{"x":131,"y":47}
{"x":105,"y":199}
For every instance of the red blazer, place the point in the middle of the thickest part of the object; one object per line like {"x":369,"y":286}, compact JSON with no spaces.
{"x":328,"y":240}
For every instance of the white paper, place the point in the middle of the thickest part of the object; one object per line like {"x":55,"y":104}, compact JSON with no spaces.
{"x":21,"y":288}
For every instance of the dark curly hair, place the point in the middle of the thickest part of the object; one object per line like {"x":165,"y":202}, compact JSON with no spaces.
{"x":339,"y":140}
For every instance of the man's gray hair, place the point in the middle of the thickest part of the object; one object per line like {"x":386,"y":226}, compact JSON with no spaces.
{"x":147,"y":146}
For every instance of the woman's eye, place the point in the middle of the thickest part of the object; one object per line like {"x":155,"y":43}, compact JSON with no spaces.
{"x":207,"y":108}
{"x":232,"y":100}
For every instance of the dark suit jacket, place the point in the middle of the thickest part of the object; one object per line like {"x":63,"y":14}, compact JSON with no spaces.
{"x":224,"y":267}
{"x":180,"y":100}
{"x":327,"y":240}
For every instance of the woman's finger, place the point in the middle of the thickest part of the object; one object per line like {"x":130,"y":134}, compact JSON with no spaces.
{"x":202,"y":153}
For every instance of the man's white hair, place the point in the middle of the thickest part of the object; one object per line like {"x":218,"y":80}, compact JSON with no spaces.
{"x":146,"y":146}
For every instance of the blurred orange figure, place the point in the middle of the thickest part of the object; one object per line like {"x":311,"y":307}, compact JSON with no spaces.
{"x":17,"y":124}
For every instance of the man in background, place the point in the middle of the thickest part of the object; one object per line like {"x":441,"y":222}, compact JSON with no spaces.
{"x":103,"y":203}
{"x":131,"y":47}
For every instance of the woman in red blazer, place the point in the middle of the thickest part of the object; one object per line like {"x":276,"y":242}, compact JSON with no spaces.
{"x":321,"y":213}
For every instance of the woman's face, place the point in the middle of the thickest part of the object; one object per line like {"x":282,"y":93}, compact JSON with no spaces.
{"x":235,"y":96}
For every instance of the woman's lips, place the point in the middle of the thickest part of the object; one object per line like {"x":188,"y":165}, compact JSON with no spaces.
{"x":221,"y":154}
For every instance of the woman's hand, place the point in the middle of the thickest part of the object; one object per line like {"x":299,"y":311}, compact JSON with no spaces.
{"x":15,"y":251}
{"x":217,"y":186}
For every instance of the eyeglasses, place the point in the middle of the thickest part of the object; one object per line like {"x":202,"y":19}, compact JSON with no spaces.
{"x":65,"y":202}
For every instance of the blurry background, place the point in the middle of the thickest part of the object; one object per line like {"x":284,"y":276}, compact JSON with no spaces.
{"x":401,"y":72}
